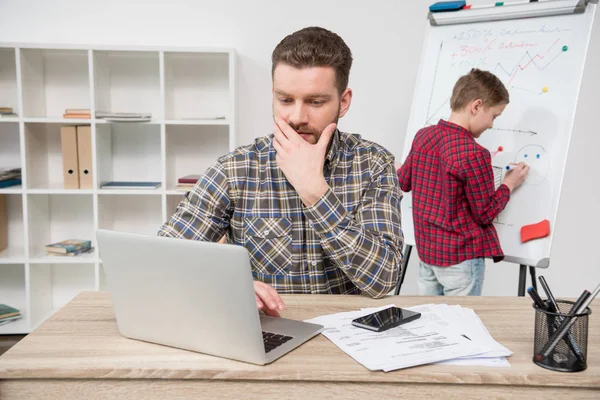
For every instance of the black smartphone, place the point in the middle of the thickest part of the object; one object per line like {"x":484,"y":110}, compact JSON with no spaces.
{"x":386,"y":319}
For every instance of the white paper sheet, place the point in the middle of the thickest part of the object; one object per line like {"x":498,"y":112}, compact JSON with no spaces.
{"x":450,"y":335}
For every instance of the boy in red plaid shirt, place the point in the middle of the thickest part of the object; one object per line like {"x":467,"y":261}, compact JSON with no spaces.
{"x":454,"y":198}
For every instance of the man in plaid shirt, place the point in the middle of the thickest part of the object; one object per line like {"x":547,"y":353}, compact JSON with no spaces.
{"x":317,"y":209}
{"x":454,"y":198}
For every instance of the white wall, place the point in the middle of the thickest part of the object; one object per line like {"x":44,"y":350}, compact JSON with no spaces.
{"x":385,"y":37}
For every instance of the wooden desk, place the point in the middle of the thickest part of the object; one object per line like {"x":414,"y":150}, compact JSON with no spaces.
{"x":78,"y":353}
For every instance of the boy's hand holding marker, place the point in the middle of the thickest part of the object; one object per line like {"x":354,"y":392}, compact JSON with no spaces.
{"x":516,"y":175}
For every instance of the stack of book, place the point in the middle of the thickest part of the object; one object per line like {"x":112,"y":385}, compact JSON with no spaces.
{"x":10,"y":177}
{"x":3,"y":223}
{"x":6,"y":112}
{"x":8,"y":314}
{"x":186,"y":183}
{"x":78,"y":113}
{"x":69,"y":248}
{"x":123,"y":116}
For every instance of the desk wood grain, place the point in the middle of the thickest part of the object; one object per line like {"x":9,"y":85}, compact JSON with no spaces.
{"x":80,"y":351}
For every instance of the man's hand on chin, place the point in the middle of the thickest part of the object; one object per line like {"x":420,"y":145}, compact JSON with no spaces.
{"x":302,"y":162}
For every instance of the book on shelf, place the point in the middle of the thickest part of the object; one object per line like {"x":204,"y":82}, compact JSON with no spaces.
{"x":3,"y":222}
{"x":7,"y":112}
{"x":7,"y":311}
{"x":10,"y":173}
{"x":130,"y":185}
{"x":70,"y":160}
{"x":77,"y":116}
{"x":189,"y":179}
{"x":72,"y":253}
{"x":9,"y":319}
{"x":10,"y":177}
{"x":76,"y":147}
{"x":81,"y":113}
{"x":77,"y":111}
{"x":68,"y":246}
{"x":203,"y":118}
{"x":123,"y":116}
{"x":185,"y":187}
{"x":10,"y":182}
{"x":187,"y":182}
{"x":84,"y":156}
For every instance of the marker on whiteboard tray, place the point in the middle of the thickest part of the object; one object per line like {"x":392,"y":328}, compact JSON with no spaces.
{"x":498,"y":4}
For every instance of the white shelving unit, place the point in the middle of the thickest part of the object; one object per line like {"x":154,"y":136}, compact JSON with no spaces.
{"x":191,"y":94}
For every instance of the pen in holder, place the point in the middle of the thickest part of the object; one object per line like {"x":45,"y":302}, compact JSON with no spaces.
{"x":561,"y":352}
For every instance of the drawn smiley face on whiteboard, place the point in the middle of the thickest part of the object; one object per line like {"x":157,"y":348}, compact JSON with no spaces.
{"x":536,"y":157}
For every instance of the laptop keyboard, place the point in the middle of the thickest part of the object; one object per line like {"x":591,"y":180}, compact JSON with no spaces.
{"x":273,"y":340}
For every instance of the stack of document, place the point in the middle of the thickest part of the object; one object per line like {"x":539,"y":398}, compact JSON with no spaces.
{"x":123,"y":116}
{"x":8,"y":314}
{"x":10,"y":177}
{"x":445,"y":334}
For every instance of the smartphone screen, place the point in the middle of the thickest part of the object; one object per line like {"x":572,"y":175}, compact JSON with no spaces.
{"x":386,"y":319}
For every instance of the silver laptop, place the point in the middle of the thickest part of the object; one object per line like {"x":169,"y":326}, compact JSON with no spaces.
{"x":193,"y":295}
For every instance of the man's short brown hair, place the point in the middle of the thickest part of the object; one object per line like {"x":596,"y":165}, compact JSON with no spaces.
{"x":315,"y":47}
{"x":478,"y":84}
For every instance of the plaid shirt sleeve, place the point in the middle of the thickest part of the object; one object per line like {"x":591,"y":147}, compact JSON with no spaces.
{"x":205,"y":211}
{"x":366,"y":245}
{"x":484,"y":200}
{"x":405,"y":173}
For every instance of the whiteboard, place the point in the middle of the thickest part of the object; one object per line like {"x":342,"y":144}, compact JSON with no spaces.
{"x":540,"y":61}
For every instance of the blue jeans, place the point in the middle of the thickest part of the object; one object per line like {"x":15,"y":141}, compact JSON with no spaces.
{"x":464,"y":279}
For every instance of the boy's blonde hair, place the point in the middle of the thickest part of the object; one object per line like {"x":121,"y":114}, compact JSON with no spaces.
{"x":478,"y":84}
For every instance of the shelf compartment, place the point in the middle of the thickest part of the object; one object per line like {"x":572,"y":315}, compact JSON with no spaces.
{"x":130,"y":213}
{"x":127,"y":81}
{"x":57,"y":217}
{"x":15,"y":251}
{"x":196,"y":85}
{"x":128,"y":152}
{"x":10,"y":144}
{"x":44,"y":157}
{"x":12,"y":293}
{"x":192,"y":149}
{"x":54,"y":285}
{"x":53,"y":81}
{"x":8,"y":80}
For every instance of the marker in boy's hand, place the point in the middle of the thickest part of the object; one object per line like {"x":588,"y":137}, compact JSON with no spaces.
{"x":516,"y":175}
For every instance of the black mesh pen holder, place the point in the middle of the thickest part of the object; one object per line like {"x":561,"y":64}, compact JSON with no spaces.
{"x":570,"y":352}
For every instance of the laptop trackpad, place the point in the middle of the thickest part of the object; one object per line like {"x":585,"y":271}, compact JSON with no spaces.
{"x":289,"y":327}
{"x":277,"y":325}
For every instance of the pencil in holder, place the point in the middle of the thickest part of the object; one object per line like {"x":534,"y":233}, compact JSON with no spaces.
{"x":564,"y":353}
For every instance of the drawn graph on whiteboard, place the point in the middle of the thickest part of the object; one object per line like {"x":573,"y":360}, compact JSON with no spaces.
{"x":516,"y":75}
{"x":508,"y":75}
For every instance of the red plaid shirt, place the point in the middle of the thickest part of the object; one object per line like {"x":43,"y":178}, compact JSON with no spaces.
{"x":454,"y":198}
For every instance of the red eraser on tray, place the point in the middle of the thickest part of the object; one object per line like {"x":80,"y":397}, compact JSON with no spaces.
{"x":535,"y":231}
